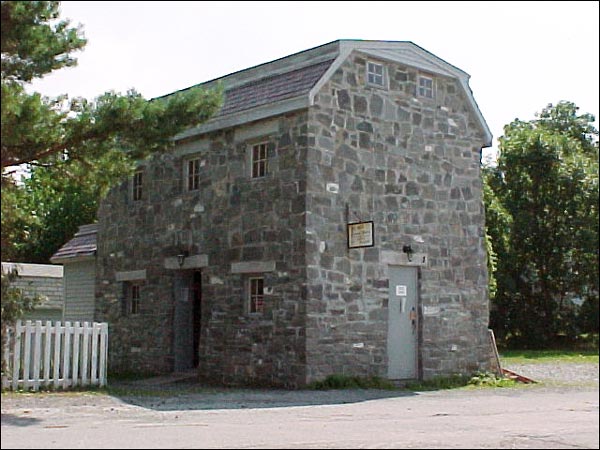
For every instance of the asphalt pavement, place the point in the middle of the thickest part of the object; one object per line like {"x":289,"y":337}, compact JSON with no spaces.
{"x":554,"y":413}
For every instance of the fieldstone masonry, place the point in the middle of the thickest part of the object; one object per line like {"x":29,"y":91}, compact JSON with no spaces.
{"x":412,"y":165}
{"x":358,"y":153}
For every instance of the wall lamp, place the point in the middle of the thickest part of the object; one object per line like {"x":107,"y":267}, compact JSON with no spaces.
{"x":409,"y":251}
{"x":181,"y":258}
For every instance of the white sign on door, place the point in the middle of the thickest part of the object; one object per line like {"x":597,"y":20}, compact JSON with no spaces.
{"x":401,"y":290}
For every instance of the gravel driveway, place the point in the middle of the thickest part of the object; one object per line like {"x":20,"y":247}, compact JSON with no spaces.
{"x":185,"y":395}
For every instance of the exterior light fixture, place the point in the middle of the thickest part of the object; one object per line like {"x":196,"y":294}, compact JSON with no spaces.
{"x":181,"y":258}
{"x":409,"y":251}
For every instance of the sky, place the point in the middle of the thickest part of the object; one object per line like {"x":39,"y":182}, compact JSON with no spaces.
{"x":521,"y":56}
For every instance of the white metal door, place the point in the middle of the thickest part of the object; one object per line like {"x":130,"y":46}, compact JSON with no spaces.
{"x":402,"y":323}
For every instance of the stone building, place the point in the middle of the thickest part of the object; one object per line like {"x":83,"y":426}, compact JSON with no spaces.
{"x":328,"y":220}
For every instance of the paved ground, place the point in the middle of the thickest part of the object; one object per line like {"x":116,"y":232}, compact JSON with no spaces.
{"x":559,"y":412}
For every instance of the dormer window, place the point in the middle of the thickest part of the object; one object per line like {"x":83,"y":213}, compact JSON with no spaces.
{"x":375,"y":74}
{"x":425,"y":86}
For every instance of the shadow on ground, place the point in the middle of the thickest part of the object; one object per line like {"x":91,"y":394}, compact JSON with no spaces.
{"x":11,"y":419}
{"x":170,"y":394}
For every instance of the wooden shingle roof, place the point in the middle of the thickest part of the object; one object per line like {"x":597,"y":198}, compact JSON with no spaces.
{"x":82,"y":245}
{"x":291,"y":83}
{"x":273,"y":88}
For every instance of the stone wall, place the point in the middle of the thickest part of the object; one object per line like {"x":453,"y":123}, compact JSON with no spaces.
{"x":231,"y":219}
{"x":412,"y":165}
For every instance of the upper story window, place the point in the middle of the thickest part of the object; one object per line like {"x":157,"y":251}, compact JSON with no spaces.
{"x":259,"y":160}
{"x":193,"y":174}
{"x":138,"y":181}
{"x":425,"y":86}
{"x":256,"y":297}
{"x":375,"y":74}
{"x":134,"y":298}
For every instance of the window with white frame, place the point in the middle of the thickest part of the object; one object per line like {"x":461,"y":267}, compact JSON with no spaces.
{"x":259,"y":160}
{"x":134,"y":298}
{"x":138,"y":180}
{"x":375,"y":74}
{"x":425,"y":86}
{"x":193,"y":174}
{"x":256,"y":295}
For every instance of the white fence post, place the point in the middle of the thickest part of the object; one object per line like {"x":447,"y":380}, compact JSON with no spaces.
{"x":103,"y":353}
{"x":37,"y":348}
{"x":27,"y":356}
{"x":76,"y":337}
{"x":55,"y":355}
{"x":84,"y":360}
{"x":57,"y":347}
{"x":47,"y":349}
{"x":66,"y":355}
{"x":16,"y":368}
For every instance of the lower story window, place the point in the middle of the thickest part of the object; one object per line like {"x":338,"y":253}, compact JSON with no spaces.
{"x":257,"y":297}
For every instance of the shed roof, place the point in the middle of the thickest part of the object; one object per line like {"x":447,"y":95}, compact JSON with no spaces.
{"x":291,"y":83}
{"x":83,"y":245}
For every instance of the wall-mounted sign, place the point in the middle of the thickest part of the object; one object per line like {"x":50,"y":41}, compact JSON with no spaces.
{"x":401,"y":290}
{"x":360,"y":235}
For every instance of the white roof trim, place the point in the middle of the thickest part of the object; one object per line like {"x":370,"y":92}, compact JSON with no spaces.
{"x":34,"y":270}
{"x":72,"y":259}
{"x":410,"y":54}
{"x":402,"y":52}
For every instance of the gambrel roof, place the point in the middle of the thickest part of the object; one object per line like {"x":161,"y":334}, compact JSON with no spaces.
{"x":83,"y":245}
{"x":291,"y":83}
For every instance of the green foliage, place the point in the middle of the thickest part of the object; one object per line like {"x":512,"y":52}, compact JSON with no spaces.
{"x":487,"y":379}
{"x":457,"y":381}
{"x":36,"y":40}
{"x":437,"y":383}
{"x":76,"y":149}
{"x":542,"y":217}
{"x":337,"y":381}
{"x":550,"y":356}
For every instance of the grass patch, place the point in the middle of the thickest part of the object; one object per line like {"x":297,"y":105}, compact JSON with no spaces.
{"x":480,"y":379}
{"x":548,"y":356}
{"x":438,"y":383}
{"x":351,"y":382}
{"x":434,"y":384}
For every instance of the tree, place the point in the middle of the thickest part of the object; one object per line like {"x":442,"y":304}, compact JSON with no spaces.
{"x":543,"y":216}
{"x":89,"y":144}
{"x":14,"y":303}
{"x":82,"y":142}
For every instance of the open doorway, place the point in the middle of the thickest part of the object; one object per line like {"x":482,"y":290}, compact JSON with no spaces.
{"x":187,"y":319}
{"x":197,"y":314}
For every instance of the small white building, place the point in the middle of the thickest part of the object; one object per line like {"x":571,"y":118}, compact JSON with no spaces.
{"x":45,"y":280}
{"x":78,"y":257}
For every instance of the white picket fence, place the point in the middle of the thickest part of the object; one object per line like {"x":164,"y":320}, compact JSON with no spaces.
{"x":46,"y":355}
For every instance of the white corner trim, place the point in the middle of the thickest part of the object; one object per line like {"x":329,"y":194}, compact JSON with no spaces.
{"x":344,"y":52}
